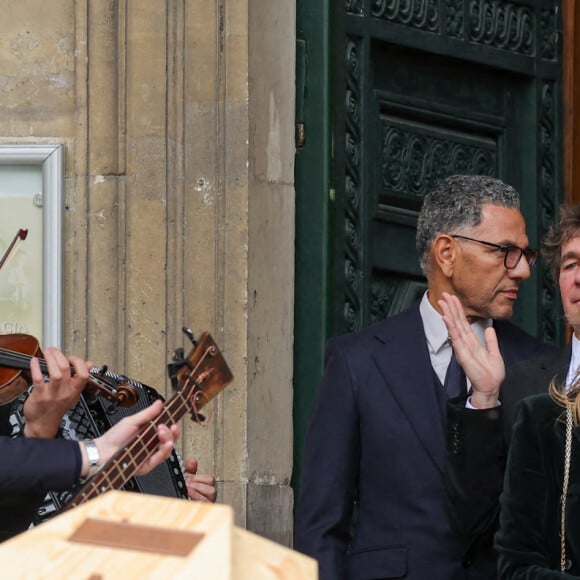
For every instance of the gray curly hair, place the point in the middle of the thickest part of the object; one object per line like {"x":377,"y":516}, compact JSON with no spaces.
{"x":454,"y":204}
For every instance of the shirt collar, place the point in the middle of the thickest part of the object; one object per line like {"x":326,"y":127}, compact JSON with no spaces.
{"x":436,"y":332}
{"x":574,"y":360}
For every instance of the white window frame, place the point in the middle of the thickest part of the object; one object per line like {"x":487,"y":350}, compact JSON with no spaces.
{"x":51,"y":157}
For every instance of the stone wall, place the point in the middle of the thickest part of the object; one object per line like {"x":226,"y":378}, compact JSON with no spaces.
{"x":177,"y":119}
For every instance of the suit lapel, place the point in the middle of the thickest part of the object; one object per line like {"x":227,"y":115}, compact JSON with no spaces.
{"x":403,"y":361}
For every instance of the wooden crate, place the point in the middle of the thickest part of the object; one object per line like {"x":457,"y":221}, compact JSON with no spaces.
{"x":133,"y":535}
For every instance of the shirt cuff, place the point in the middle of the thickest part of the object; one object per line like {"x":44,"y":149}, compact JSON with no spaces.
{"x":468,"y":405}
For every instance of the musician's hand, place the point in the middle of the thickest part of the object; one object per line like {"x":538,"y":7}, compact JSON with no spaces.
{"x":199,"y":487}
{"x":118,"y":435}
{"x":48,"y":401}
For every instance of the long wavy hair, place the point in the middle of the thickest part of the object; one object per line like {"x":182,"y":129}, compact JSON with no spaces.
{"x":568,"y":227}
{"x":567,"y":398}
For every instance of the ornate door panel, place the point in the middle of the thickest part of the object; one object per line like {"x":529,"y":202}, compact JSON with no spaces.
{"x":425,"y":89}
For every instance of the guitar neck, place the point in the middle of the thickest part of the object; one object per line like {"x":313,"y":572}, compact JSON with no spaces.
{"x":124,"y":464}
{"x":208,"y":374}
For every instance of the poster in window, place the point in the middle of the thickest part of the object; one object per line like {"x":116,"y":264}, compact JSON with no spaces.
{"x":21,"y":285}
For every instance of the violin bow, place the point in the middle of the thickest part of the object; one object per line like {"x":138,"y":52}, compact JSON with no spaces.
{"x":21,"y":234}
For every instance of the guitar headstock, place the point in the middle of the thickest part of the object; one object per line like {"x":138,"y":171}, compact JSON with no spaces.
{"x":201,"y":375}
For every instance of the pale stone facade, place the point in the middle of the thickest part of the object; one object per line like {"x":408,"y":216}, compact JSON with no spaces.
{"x":177,"y":120}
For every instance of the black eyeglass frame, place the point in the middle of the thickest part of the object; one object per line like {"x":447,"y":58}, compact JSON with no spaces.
{"x":531,"y":255}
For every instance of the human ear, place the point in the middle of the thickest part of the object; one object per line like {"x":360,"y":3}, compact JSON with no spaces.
{"x":444,"y":253}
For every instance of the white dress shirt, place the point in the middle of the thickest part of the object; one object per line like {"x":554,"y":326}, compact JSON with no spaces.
{"x":574,"y":361}
{"x":437,"y":337}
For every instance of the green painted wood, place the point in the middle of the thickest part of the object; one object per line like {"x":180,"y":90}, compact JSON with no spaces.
{"x":427,"y":89}
{"x":410,"y":91}
{"x":313,"y":211}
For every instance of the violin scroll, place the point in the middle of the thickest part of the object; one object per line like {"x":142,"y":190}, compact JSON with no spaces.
{"x":115,"y":388}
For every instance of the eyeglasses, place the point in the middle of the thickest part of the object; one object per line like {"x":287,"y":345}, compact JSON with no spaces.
{"x":511,"y":254}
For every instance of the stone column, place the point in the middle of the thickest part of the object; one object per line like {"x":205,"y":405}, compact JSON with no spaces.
{"x":178,"y":123}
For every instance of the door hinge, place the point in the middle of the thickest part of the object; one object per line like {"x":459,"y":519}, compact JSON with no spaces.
{"x":300,"y":138}
{"x":300,"y":133}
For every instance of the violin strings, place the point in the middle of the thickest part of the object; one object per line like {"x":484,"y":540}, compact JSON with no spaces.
{"x":17,"y":357}
{"x":24,"y":360}
{"x":14,"y":356}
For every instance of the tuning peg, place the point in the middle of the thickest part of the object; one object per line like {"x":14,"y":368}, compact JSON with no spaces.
{"x":198,"y":418}
{"x":178,"y":354}
{"x":189,"y":333}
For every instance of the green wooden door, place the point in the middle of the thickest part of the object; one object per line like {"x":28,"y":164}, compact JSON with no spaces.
{"x":423,"y":89}
{"x":314,"y":209}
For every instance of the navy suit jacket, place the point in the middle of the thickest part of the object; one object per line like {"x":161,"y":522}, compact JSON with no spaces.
{"x":28,"y":469}
{"x":378,"y":438}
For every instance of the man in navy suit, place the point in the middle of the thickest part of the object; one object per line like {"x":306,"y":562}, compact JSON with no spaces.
{"x":384,"y":444}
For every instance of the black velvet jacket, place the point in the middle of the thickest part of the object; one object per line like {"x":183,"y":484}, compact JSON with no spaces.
{"x":528,"y":542}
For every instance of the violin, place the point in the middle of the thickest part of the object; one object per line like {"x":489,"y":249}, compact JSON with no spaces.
{"x":16,"y":350}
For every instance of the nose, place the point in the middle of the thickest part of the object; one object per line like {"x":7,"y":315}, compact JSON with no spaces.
{"x":522,"y":271}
